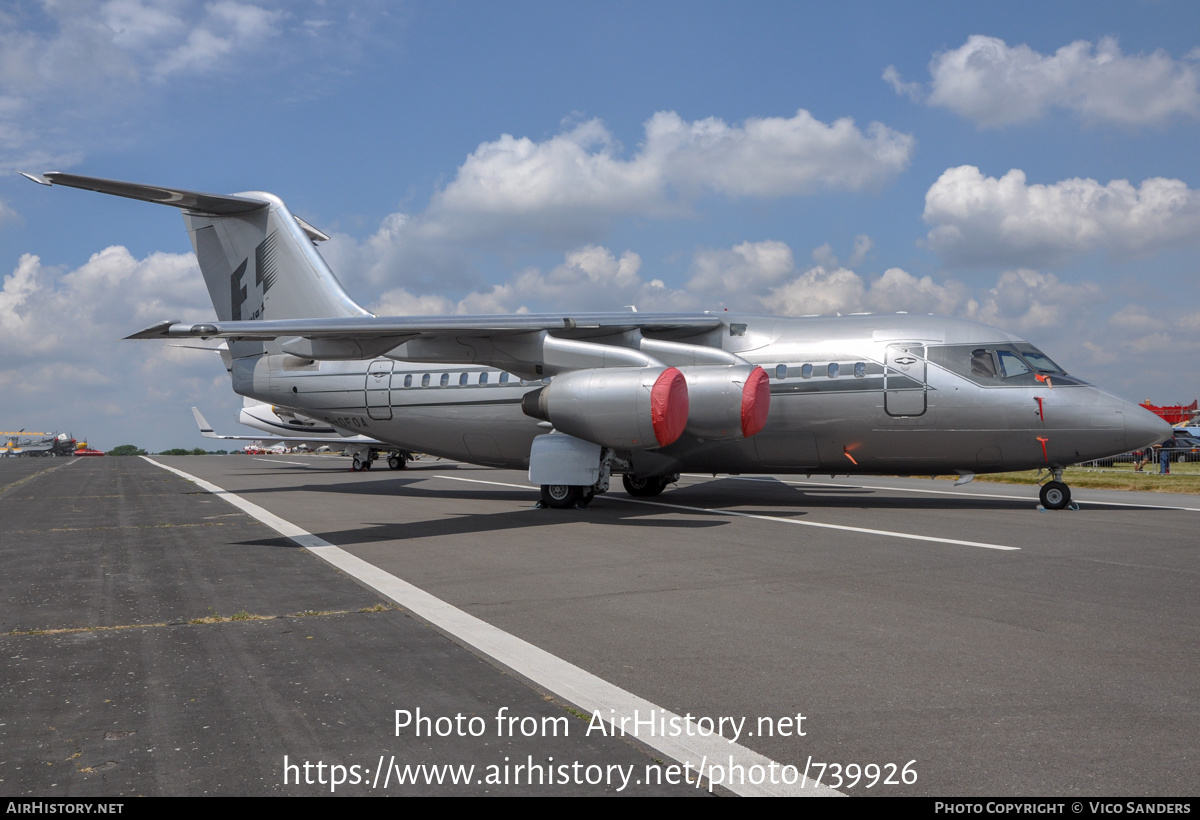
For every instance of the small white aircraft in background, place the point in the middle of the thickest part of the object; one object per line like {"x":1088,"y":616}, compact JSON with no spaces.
{"x":362,"y":449}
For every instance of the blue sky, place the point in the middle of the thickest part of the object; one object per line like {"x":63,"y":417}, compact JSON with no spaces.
{"x":1033,"y":166}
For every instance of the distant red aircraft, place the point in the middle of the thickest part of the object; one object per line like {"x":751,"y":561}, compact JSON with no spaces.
{"x":1173,"y":414}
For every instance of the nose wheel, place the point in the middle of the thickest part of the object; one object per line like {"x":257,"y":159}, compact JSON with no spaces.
{"x":1055,"y":494}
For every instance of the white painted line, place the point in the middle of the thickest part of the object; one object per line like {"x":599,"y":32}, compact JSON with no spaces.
{"x":573,"y":684}
{"x":280,"y":461}
{"x":777,"y":519}
{"x":947,"y":492}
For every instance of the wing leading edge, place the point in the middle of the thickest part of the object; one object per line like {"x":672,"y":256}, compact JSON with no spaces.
{"x":412,"y":326}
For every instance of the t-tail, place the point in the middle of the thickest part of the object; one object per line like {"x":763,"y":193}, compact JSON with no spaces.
{"x":258,"y":259}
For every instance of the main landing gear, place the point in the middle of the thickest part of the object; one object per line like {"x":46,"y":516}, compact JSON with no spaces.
{"x":395,"y":460}
{"x":1055,"y":494}
{"x":565,"y":496}
{"x":645,"y":487}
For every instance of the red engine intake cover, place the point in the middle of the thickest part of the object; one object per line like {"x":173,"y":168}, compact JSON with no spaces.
{"x":756,"y":402}
{"x":669,"y":406}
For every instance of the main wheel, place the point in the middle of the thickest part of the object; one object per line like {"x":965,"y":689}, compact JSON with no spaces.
{"x":642,"y":487}
{"x":397,"y":462}
{"x":561,"y":496}
{"x":358,"y":464}
{"x":1055,"y":495}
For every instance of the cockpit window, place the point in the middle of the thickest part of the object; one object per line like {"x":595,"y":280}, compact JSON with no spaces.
{"x":1039,"y":360}
{"x":997,"y":365}
{"x":982,"y":363}
{"x":1011,"y":364}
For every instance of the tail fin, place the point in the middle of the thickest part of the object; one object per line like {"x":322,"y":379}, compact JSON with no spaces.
{"x":258,"y":260}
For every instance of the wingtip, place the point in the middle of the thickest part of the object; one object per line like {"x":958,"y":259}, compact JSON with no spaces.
{"x":158,"y":331}
{"x":40,"y":179}
{"x":206,"y":429}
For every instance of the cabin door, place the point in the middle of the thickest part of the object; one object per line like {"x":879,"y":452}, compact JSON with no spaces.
{"x":379,"y":384}
{"x":904,"y":380}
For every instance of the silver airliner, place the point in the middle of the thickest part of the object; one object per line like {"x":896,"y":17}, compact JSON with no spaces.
{"x":579,"y":397}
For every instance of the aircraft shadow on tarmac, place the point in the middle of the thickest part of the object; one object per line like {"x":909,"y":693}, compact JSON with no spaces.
{"x":769,"y":498}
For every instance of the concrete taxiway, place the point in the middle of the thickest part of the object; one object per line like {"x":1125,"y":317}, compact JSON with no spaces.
{"x":957,"y":634}
{"x":157,"y":641}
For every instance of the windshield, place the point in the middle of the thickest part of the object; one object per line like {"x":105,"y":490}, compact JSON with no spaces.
{"x":1039,"y":360}
{"x":998,"y":364}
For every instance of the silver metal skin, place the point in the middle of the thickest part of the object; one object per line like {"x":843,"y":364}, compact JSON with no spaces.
{"x":935,"y":422}
{"x":861,"y":394}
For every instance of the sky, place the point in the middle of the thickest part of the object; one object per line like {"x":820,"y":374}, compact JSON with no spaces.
{"x":1032,"y":166}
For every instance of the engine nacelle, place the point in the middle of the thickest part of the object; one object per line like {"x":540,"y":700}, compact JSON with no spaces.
{"x":727,"y":403}
{"x":625,"y":408}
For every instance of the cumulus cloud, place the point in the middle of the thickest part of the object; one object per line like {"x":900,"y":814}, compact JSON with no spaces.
{"x":62,"y":329}
{"x":82,"y":47}
{"x":579,"y":177}
{"x":45,"y":312}
{"x":993,"y":84}
{"x":746,"y":267}
{"x":591,"y":278}
{"x":62,"y":62}
{"x":225,"y":26}
{"x":566,"y":191}
{"x":984,"y":220}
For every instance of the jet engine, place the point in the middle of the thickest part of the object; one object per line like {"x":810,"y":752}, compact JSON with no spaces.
{"x":727,"y":403}
{"x":625,"y":408}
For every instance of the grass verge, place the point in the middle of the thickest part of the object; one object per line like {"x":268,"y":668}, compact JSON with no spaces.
{"x":1184,"y":478}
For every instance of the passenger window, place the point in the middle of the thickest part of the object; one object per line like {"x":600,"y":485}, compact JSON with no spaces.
{"x":781,"y":371}
{"x":408,"y":380}
{"x":504,"y":378}
{"x":462,"y":379}
{"x":425,"y":380}
{"x":737,"y":329}
{"x":833,"y":370}
{"x":806,"y":371}
{"x":982,"y":363}
{"x":860,"y":370}
{"x":483,"y":377}
{"x":444,"y":380}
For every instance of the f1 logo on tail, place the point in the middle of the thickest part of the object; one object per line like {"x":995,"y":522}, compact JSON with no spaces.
{"x":265,"y":272}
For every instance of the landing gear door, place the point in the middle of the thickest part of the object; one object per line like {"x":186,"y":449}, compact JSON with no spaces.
{"x":904,"y":380}
{"x":378,"y":389}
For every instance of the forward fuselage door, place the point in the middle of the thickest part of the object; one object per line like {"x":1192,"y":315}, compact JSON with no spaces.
{"x":378,"y":388}
{"x":904,"y":384}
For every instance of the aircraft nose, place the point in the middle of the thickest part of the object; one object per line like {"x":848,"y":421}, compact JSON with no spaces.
{"x":1143,"y":428}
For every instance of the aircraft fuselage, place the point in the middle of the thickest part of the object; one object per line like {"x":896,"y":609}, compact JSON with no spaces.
{"x":896,"y":394}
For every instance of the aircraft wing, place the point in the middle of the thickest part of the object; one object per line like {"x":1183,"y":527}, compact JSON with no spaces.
{"x":532,"y":345}
{"x":413,"y":326}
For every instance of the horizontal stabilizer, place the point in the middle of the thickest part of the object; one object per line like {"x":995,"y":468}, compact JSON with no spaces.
{"x":215,"y":204}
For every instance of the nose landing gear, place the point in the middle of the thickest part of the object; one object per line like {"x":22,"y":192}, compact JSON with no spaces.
{"x":1055,"y":494}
